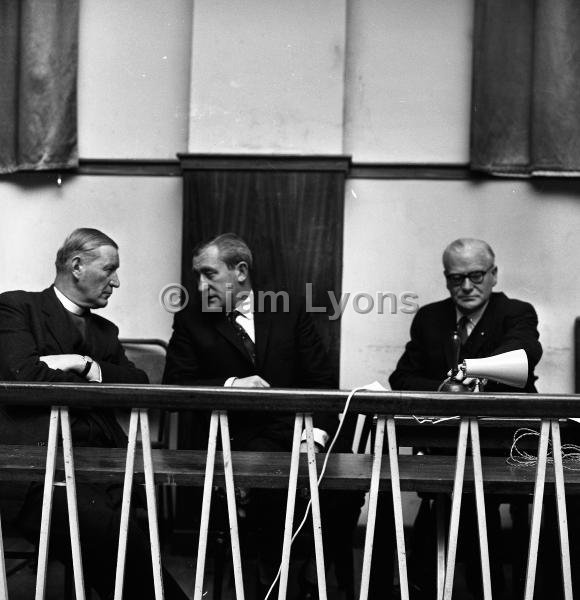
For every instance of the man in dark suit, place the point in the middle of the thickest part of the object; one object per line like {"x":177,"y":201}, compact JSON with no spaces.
{"x":53,"y":336}
{"x":494,"y":323}
{"x":240,"y":336}
{"x":488,"y":324}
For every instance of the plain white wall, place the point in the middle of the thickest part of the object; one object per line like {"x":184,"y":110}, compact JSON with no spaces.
{"x":133,"y":82}
{"x":408,"y":74}
{"x":268,"y":76}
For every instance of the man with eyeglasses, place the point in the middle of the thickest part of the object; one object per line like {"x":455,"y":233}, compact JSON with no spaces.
{"x":488,"y":323}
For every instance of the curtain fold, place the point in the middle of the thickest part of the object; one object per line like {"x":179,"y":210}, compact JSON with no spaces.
{"x":38,"y":95}
{"x":526,"y":88}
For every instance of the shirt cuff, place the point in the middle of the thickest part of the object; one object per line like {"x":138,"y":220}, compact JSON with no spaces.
{"x":94,"y":375}
{"x":230,"y":381}
{"x":320,"y":437}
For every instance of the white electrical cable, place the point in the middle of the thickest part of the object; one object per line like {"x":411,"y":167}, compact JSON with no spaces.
{"x":322,"y":471}
{"x":522,"y":458}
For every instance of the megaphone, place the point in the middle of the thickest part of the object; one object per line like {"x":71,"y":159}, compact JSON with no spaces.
{"x":510,"y":368}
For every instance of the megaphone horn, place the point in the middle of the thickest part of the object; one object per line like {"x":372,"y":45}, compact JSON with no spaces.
{"x":510,"y":368}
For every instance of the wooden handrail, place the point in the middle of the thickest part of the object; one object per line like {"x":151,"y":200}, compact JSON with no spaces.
{"x":288,"y":400}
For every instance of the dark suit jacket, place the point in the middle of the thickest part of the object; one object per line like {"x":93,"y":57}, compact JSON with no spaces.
{"x":505,"y":325}
{"x":204,"y":350}
{"x":34,"y":324}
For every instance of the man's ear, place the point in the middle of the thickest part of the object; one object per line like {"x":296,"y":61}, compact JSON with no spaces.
{"x":76,"y":266}
{"x":494,"y":275}
{"x":242,"y":271}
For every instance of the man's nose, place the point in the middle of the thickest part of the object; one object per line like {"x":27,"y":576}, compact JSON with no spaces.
{"x":202,"y":284}
{"x":466,"y":284}
{"x":115,"y":281}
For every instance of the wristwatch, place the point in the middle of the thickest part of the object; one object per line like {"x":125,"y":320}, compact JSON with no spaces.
{"x":88,"y":365}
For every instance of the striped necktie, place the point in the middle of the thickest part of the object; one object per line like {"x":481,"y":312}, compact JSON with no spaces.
{"x":243,"y":335}
{"x":462,"y":329}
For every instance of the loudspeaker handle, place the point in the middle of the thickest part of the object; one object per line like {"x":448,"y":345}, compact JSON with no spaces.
{"x":456,"y":342}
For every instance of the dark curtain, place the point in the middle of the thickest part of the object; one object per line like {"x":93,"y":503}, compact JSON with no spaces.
{"x":38,"y":79}
{"x":290,"y":216}
{"x":526,"y":87}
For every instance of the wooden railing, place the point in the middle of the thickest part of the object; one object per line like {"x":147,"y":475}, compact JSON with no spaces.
{"x":286,"y":470}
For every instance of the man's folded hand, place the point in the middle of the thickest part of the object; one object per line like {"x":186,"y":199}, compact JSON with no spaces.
{"x":65,"y":362}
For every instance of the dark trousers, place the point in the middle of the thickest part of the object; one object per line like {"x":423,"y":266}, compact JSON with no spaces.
{"x":423,"y":547}
{"x":99,"y":511}
{"x":549,"y":568}
{"x":266,"y":511}
{"x":381,"y":582}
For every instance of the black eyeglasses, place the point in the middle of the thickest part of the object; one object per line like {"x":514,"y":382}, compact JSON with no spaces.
{"x":474,"y":276}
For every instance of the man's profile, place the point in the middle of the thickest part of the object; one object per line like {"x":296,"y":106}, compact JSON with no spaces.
{"x":54,"y":336}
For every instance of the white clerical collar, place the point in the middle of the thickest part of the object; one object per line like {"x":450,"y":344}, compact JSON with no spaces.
{"x":474,"y":317}
{"x":246,"y":306}
{"x":68,"y":303}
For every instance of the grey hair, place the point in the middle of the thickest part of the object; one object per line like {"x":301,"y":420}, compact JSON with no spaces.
{"x":231,"y":247}
{"x":83,"y":241}
{"x":466,"y":243}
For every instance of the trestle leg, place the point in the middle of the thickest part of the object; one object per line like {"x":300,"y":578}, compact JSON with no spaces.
{"x":561,"y":506}
{"x":205,"y":507}
{"x":372,"y":510}
{"x":397,"y":507}
{"x":537,"y":510}
{"x":232,"y":510}
{"x":290,"y":506}
{"x":316,"y":518}
{"x":455,"y":509}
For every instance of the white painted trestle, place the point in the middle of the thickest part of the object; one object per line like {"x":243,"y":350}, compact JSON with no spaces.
{"x":378,"y":471}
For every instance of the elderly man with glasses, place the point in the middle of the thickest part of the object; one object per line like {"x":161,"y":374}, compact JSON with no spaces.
{"x":488,"y":323}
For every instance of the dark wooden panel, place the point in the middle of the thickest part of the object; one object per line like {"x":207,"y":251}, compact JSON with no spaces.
{"x":271,"y":470}
{"x":263,"y":162}
{"x":290,"y":210}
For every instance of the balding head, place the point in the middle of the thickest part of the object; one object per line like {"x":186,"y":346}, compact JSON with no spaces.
{"x":471,"y":246}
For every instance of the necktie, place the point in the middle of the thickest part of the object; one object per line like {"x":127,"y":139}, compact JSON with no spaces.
{"x":462,"y":329}
{"x":243,"y":335}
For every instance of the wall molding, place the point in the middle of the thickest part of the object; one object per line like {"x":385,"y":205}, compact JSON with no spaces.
{"x":128,"y":167}
{"x":411,"y":171}
{"x":264,"y":162}
{"x":121,"y":167}
{"x":173,"y":168}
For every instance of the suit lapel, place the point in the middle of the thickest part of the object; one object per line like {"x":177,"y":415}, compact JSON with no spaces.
{"x":227,"y":331}
{"x":263,"y":324}
{"x":57,"y":323}
{"x":482,"y":330}
{"x":449,"y":326}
